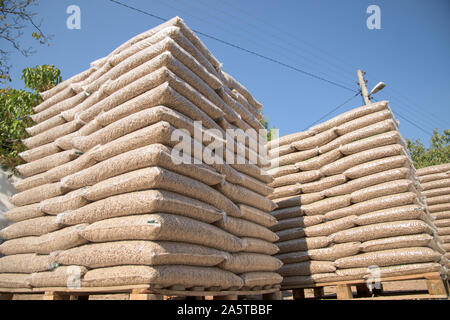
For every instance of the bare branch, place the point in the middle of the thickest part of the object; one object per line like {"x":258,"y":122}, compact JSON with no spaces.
{"x":15,"y":16}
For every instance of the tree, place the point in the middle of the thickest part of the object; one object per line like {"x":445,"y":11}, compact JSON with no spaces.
{"x":437,"y":153}
{"x":41,"y":78}
{"x":16,"y":16}
{"x":16,"y":106}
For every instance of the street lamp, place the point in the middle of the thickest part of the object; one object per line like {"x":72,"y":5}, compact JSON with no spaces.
{"x":380,"y":86}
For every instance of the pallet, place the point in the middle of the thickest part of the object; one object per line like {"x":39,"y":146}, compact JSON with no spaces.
{"x":437,"y":288}
{"x":142,"y":292}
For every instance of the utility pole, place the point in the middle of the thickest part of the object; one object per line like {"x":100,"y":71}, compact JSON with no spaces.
{"x":363,"y":290}
{"x":362,"y":85}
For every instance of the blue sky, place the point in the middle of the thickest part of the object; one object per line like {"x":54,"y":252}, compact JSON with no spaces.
{"x":325,"y":37}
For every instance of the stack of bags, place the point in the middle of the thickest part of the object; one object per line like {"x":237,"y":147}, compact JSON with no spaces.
{"x":110,"y":200}
{"x":348,"y":200}
{"x":435,"y":181}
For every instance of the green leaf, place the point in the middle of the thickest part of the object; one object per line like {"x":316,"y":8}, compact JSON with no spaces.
{"x":16,"y":106}
{"x":437,"y":153}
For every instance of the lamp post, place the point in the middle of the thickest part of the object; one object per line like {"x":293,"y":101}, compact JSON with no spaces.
{"x":364,"y":92}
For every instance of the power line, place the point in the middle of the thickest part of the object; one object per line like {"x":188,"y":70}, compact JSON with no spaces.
{"x":278,"y":62}
{"x":286,"y":48}
{"x":412,"y":123}
{"x":271,"y":60}
{"x":407,"y":120}
{"x":333,"y":110}
{"x":414,"y":107}
{"x":265,"y":46}
{"x":418,"y":120}
{"x":422,"y":115}
{"x":395,"y":95}
{"x":242,"y":49}
{"x":138,"y":10}
{"x":286,"y":34}
{"x":403,"y":108}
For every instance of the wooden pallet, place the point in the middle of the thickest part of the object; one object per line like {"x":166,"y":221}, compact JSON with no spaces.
{"x":437,"y":288}
{"x":142,"y":292}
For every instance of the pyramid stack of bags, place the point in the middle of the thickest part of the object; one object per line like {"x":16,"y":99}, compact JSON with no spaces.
{"x":106,"y":202}
{"x":348,"y":199}
{"x":435,"y":182}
